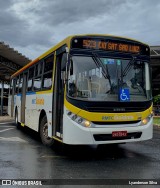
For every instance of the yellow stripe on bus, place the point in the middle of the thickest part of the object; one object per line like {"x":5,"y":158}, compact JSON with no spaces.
{"x":25,"y":67}
{"x":96,"y":116}
{"x":44,"y":92}
{"x":22,"y":124}
{"x":55,"y":138}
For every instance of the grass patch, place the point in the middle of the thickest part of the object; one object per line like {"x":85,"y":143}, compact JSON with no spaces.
{"x":156,"y":121}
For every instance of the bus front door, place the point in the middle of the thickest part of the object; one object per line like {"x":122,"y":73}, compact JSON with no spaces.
{"x":58,"y":97}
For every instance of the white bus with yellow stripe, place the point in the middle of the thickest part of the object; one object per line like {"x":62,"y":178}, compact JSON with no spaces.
{"x":88,"y":89}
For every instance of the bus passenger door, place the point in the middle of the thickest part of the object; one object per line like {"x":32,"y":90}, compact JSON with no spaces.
{"x":58,"y":95}
{"x":23,"y":98}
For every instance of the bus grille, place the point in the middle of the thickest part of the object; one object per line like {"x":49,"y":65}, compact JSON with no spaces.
{"x":107,"y":137}
{"x":115,"y":123}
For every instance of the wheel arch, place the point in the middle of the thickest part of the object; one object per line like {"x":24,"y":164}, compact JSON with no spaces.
{"x":42,"y":114}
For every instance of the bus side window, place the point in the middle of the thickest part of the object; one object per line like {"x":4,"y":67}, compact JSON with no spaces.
{"x":17,"y":85}
{"x":48,"y":63}
{"x":47,"y":75}
{"x":20,"y":83}
{"x":14,"y":86}
{"x":30,"y":79}
{"x":38,"y":68}
{"x":11,"y":87}
{"x":47,"y":80}
{"x":37,"y":82}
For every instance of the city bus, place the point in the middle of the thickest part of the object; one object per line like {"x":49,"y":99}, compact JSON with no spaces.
{"x":87,"y":89}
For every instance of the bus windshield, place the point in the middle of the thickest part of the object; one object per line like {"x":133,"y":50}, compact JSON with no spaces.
{"x":97,"y":78}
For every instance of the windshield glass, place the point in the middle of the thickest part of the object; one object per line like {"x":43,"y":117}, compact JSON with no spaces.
{"x":96,"y":78}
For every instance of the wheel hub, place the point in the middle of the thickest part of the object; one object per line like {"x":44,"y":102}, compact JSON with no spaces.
{"x":45,"y":130}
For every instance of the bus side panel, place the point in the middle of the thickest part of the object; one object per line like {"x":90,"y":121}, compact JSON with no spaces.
{"x":18,"y":104}
{"x":9,"y":105}
{"x":14,"y":105}
{"x":31,"y":114}
{"x":44,"y":102}
{"x":35,"y":103}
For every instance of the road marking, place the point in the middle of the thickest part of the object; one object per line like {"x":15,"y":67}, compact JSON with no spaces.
{"x":6,"y":130}
{"x":52,"y":156}
{"x":13,"y":139}
{"x":6,"y":126}
{"x":6,"y":122}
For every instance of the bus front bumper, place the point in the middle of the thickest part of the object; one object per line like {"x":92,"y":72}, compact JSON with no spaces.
{"x":75,"y":134}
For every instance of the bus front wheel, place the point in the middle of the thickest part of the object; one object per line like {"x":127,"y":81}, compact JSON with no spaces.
{"x":44,"y":132}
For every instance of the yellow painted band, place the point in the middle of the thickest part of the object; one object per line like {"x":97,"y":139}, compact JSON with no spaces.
{"x":55,"y":138}
{"x":22,"y":124}
{"x":71,"y":107}
{"x":95,"y":116}
{"x":44,"y":92}
{"x":25,"y":67}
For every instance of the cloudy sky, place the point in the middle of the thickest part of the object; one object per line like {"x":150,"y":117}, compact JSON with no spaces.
{"x":34,"y":26}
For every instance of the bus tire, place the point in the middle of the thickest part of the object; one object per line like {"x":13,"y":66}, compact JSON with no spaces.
{"x":16,"y":119}
{"x":44,"y":133}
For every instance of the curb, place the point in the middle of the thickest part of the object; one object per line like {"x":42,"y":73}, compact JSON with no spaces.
{"x":157,"y":126}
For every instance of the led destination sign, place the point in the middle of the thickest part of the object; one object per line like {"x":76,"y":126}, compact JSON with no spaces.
{"x":105,"y":45}
{"x":111,"y":46}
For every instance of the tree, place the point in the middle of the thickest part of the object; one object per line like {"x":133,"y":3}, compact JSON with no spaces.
{"x":156,"y":99}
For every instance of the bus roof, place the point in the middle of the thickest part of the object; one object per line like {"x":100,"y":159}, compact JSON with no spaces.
{"x":67,"y":41}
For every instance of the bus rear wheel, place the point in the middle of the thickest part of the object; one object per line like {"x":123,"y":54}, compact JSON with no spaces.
{"x":44,"y":132}
{"x":16,"y":120}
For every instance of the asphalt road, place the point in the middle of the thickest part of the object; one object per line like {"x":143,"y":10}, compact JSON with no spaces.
{"x":22,"y":156}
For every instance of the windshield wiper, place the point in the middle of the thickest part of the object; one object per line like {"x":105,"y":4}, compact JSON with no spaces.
{"x":99,"y":63}
{"x":128,"y":67}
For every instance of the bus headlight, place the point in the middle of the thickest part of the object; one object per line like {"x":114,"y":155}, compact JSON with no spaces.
{"x":146,"y":120}
{"x":79,"y":120}
{"x":87,"y":123}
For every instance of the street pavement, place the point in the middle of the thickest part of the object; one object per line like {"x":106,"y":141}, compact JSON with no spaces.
{"x":22,"y":156}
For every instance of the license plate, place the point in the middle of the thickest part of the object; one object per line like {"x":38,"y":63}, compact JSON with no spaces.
{"x":119,"y":134}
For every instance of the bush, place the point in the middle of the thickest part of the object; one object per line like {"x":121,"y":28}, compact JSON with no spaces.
{"x":156,"y":99}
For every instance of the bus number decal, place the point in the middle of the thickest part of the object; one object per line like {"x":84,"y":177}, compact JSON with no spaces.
{"x":38,"y":101}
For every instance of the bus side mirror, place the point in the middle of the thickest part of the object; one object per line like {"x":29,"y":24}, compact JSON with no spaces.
{"x":63,"y":75}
